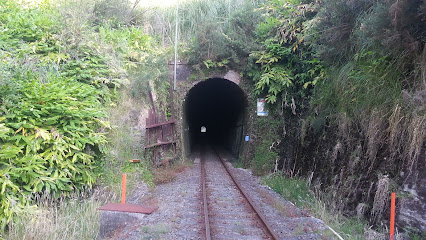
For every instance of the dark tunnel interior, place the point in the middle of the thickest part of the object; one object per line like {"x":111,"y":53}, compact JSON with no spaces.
{"x":220,"y":106}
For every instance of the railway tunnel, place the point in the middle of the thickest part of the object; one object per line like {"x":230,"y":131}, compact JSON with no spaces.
{"x":219,"y":106}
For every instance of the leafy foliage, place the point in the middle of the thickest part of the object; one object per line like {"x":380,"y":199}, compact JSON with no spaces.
{"x":353,"y":69}
{"x":286,"y":66}
{"x":266,"y":153}
{"x":365,"y":104}
{"x":53,"y":94}
{"x":48,"y":141}
{"x":27,"y":25}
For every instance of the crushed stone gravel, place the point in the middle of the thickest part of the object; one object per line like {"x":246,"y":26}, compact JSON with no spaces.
{"x":179,"y":213}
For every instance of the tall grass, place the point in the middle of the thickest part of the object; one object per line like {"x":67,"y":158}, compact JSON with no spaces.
{"x":73,"y":218}
{"x":193,"y":14}
{"x":296,"y":190}
{"x":126,"y":142}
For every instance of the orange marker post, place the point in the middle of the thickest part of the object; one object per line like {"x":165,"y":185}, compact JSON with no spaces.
{"x":392,"y":217}
{"x":123,"y":190}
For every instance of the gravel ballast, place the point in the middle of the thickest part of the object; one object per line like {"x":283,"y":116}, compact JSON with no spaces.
{"x":179,"y":213}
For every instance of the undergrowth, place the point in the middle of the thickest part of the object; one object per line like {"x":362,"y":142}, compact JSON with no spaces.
{"x":61,"y":66}
{"x":76,"y":217}
{"x":345,"y":83}
{"x":265,"y":155}
{"x":296,"y":190}
{"x":355,"y":120}
{"x":168,"y":173}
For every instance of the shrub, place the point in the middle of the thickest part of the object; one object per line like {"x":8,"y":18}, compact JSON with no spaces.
{"x":336,"y":21}
{"x":286,"y":68}
{"x":116,"y":12}
{"x":54,"y":83}
{"x":25,"y":24}
{"x":264,"y":158}
{"x":48,"y":141}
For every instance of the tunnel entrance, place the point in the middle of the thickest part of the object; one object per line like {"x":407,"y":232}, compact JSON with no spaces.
{"x":214,"y":112}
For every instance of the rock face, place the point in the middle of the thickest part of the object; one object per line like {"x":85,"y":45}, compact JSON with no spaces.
{"x":183,"y":71}
{"x":412,"y":211}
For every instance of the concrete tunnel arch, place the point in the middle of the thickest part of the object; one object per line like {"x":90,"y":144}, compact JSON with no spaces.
{"x":220,"y":105}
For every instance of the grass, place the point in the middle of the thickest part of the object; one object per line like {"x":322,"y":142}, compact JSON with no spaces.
{"x":126,"y":141}
{"x":155,"y":231}
{"x":237,"y":163}
{"x":73,"y":218}
{"x":192,"y":15}
{"x":297,"y":191}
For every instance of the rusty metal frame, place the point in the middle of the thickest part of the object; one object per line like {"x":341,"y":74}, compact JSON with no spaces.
{"x":160,"y":133}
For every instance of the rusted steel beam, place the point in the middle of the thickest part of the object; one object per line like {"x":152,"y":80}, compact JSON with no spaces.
{"x":160,"y":144}
{"x":160,"y":124}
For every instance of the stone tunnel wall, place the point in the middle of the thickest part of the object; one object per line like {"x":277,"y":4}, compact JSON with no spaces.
{"x":185,"y":81}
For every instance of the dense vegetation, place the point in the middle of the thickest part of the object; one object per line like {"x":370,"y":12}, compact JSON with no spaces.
{"x":345,"y":83}
{"x":362,"y":131}
{"x":61,"y":66}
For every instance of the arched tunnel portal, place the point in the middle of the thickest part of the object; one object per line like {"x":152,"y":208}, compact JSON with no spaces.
{"x":219,"y":105}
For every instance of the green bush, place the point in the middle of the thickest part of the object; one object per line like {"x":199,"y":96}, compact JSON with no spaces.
{"x":268,"y":138}
{"x":286,"y":68}
{"x":49,"y":121}
{"x":264,"y":158}
{"x":115,"y":12}
{"x":220,"y":33}
{"x":48,"y":141}
{"x":336,"y":22}
{"x":19,"y":24}
{"x":224,"y":40}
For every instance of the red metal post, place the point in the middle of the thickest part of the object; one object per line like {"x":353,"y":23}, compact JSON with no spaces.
{"x":123,"y":192}
{"x":392,"y":217}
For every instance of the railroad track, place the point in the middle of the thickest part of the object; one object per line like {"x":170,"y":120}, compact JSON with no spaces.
{"x":228,"y":212}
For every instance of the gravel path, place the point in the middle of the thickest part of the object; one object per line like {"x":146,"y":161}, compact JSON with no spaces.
{"x":179,"y":213}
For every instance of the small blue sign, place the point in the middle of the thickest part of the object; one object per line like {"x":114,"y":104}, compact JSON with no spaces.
{"x":247,"y":138}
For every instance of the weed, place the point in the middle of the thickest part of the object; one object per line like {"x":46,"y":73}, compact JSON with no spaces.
{"x":237,"y":163}
{"x":297,"y":191}
{"x":74,"y":218}
{"x":264,"y":158}
{"x":155,"y":231}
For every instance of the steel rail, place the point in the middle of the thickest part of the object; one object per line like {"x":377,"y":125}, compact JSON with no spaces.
{"x":249,"y":200}
{"x":203,"y":186}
